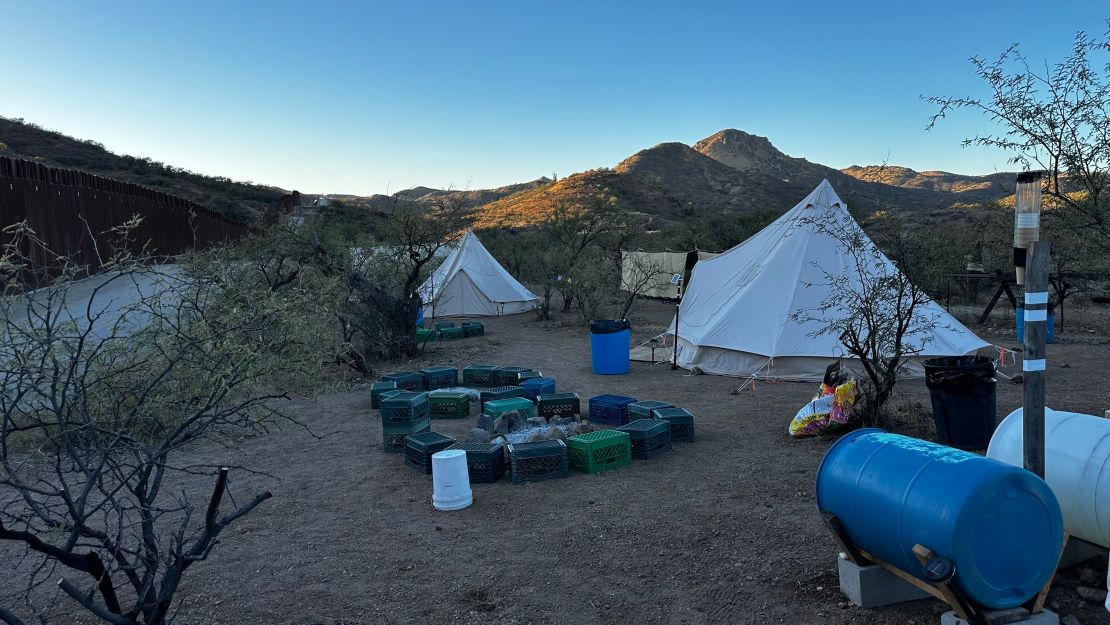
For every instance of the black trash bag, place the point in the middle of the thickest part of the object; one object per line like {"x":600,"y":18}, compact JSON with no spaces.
{"x":609,"y":326}
{"x":958,"y":371}
{"x":963,"y":393}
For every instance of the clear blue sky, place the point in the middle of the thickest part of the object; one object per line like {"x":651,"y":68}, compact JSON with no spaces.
{"x":360,"y":97}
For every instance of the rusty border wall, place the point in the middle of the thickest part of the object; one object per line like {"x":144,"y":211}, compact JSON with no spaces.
{"x":73,"y":212}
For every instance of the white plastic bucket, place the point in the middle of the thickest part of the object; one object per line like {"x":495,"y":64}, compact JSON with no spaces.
{"x":1077,"y":467}
{"x":450,"y":480}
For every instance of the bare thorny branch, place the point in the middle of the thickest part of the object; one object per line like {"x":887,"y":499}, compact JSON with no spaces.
{"x":1056,"y":120}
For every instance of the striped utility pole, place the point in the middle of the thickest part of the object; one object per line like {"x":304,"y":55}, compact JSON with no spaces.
{"x":1036,"y":323}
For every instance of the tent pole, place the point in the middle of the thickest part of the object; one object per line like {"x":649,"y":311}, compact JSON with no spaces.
{"x":674,"y":360}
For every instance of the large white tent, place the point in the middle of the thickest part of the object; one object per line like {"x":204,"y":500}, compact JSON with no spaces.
{"x":744,"y":313}
{"x":471,"y":282}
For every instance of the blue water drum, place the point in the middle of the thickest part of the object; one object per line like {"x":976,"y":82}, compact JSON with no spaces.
{"x":1049,"y":326}
{"x":609,"y":351}
{"x":999,"y":524}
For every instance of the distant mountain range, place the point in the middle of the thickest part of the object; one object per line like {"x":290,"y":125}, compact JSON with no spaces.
{"x":730,"y":172}
{"x":736,"y":172}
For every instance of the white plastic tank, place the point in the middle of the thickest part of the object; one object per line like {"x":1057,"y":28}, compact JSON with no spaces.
{"x":1077,"y":467}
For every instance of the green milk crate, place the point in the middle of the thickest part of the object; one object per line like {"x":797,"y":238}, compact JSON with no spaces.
{"x":495,"y":407}
{"x":500,"y":392}
{"x":376,"y":390}
{"x":449,"y":404}
{"x":473,"y":328}
{"x":395,"y":438}
{"x":404,"y":408}
{"x":408,"y":380}
{"x":599,"y":451}
{"x":642,"y":409}
{"x":558,"y":405}
{"x":426,"y":335}
{"x":682,"y":423}
{"x":443,"y":325}
{"x":504,"y":376}
{"x":384,"y":395}
{"x":439,"y":377}
{"x":450,"y":334}
{"x":479,"y":375}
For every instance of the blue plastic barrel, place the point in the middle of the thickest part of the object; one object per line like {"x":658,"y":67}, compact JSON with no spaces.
{"x":1000,"y":525}
{"x":609,"y":346}
{"x":1019,"y":325}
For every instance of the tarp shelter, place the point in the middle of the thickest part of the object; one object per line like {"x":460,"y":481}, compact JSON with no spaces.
{"x":736,"y":315}
{"x":659,"y":268}
{"x":471,"y":282}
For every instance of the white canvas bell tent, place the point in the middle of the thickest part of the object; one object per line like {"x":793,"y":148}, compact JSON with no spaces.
{"x":744,"y":313}
{"x":471,"y":282}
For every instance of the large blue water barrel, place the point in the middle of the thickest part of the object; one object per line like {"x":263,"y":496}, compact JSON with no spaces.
{"x":1000,"y":525}
{"x":609,"y":349}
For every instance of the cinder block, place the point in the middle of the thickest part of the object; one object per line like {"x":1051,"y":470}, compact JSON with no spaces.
{"x":1014,"y":616}
{"x":872,"y":586}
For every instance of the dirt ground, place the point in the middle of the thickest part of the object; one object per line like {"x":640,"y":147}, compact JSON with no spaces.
{"x":724,"y":530}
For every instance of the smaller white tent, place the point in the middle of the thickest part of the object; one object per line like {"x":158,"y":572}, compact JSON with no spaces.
{"x":471,"y":283}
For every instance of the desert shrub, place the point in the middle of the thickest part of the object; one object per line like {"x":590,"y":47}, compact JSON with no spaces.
{"x":106,"y":379}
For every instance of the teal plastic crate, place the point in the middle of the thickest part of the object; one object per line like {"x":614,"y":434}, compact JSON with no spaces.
{"x":439,"y":377}
{"x":642,"y":409}
{"x":496,"y":407}
{"x":394,"y":438}
{"x":682,"y":423}
{"x":500,"y":392}
{"x":408,"y":380}
{"x":650,"y":437}
{"x":376,"y":390}
{"x":405,"y":407}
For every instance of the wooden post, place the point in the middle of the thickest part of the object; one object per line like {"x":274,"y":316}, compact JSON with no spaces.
{"x":1033,"y":367}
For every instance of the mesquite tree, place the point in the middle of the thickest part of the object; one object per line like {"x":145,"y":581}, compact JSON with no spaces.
{"x":106,"y":380}
{"x":880,"y":316}
{"x":386,"y":282}
{"x":1057,"y":121}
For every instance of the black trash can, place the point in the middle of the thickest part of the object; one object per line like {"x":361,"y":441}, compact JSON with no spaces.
{"x":964,"y":394}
